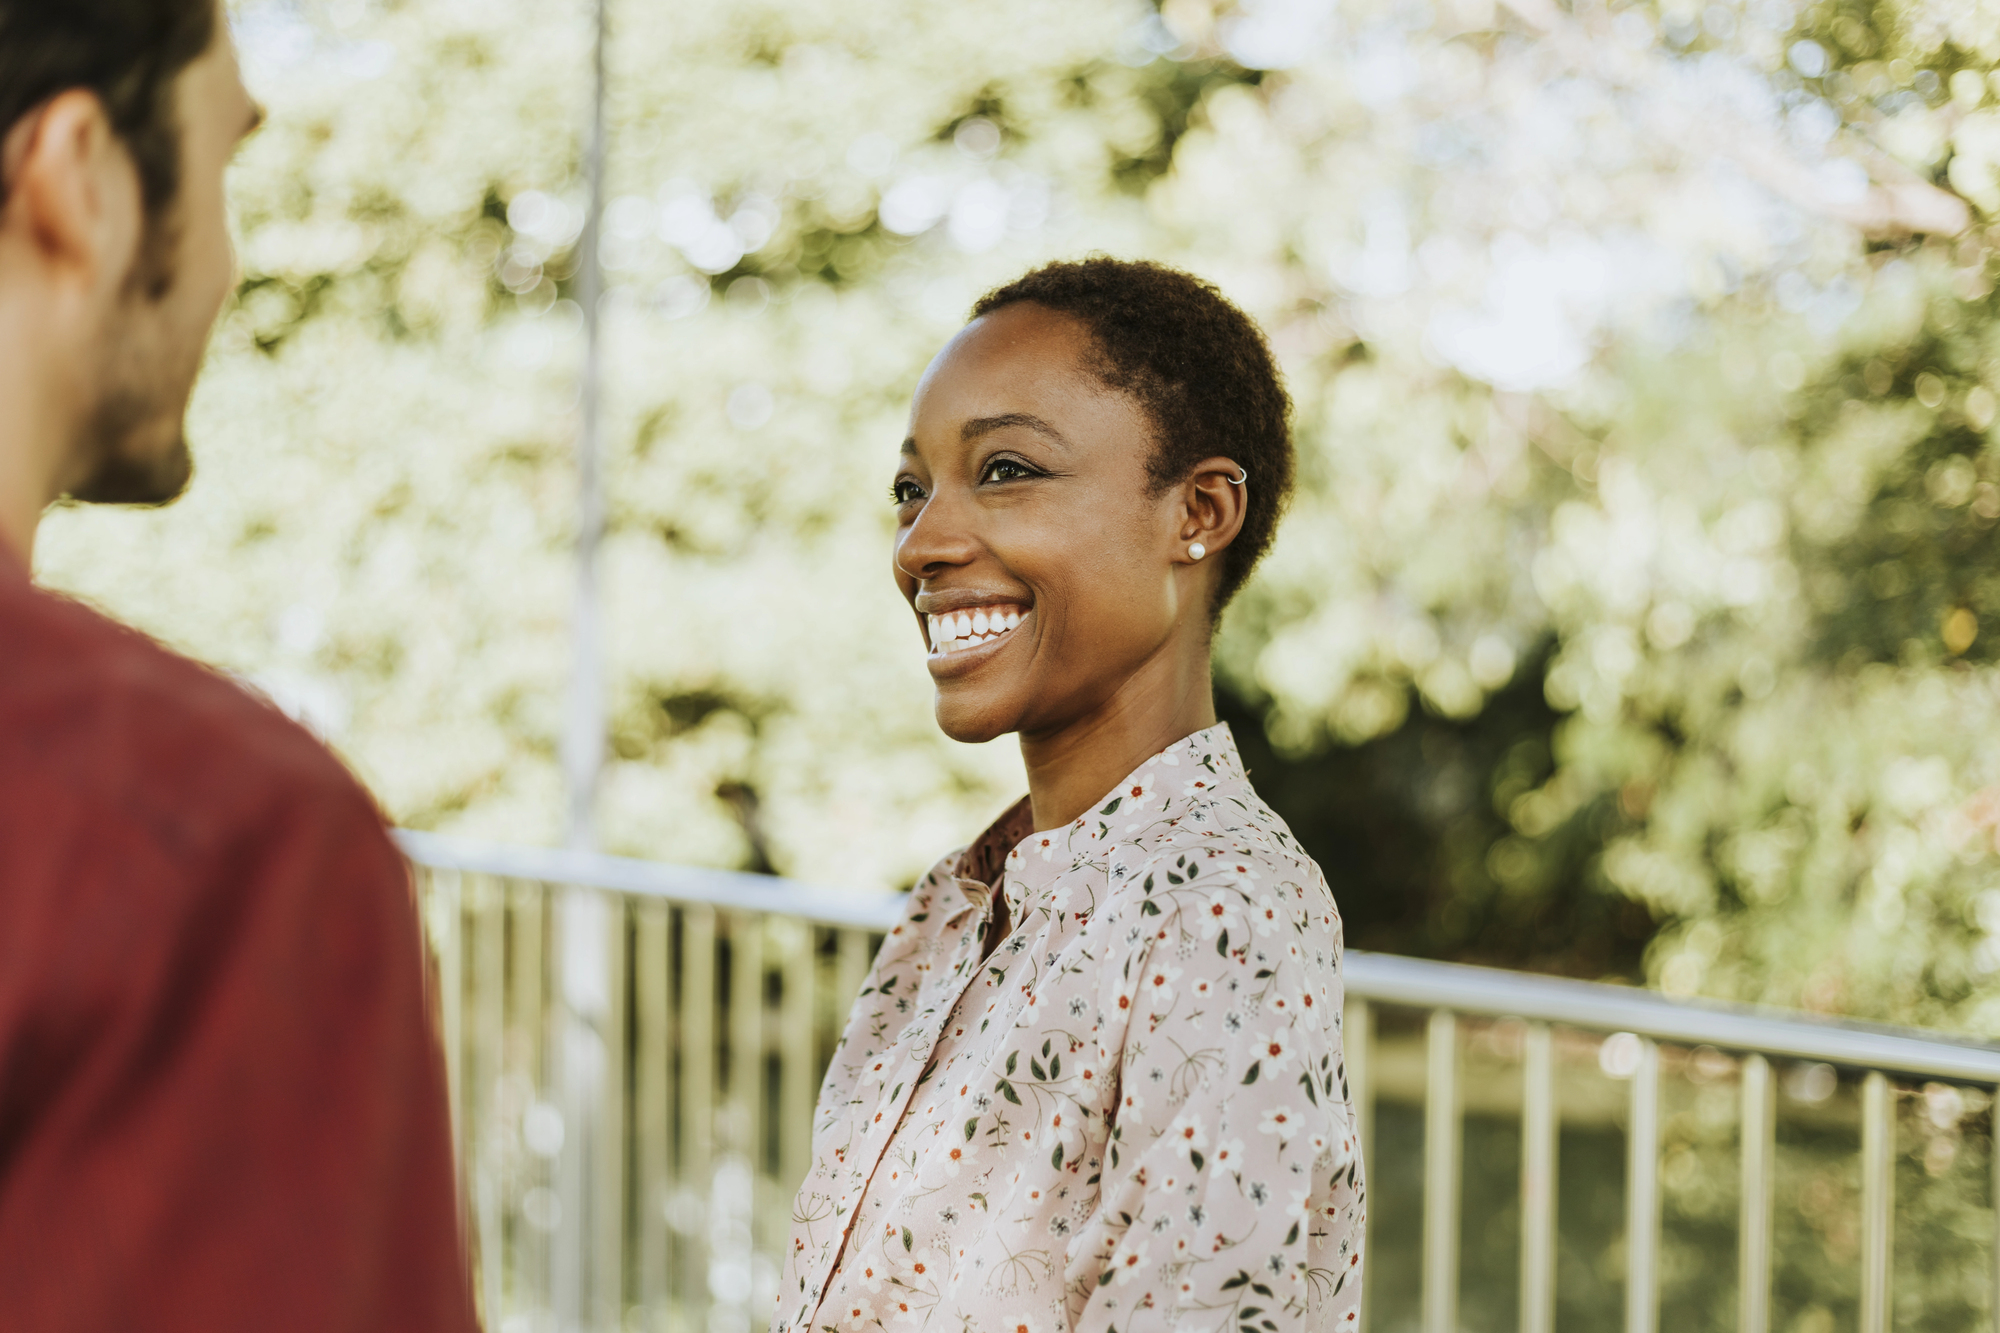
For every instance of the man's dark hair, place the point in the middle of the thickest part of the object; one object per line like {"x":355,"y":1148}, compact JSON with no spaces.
{"x":128,"y":52}
{"x":1199,"y":367}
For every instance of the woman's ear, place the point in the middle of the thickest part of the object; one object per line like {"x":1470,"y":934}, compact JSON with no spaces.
{"x":1214,"y":499}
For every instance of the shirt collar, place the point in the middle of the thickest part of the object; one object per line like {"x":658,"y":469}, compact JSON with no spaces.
{"x":1186,"y":776}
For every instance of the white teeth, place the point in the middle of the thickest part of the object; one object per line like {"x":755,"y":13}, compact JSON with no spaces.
{"x":954,"y":631}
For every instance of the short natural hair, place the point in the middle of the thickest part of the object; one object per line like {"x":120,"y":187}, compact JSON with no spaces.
{"x":128,"y":52}
{"x":1200,"y":368}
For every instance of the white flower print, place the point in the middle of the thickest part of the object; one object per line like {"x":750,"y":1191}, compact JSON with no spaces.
{"x":1275,"y":1049}
{"x":1137,"y":794}
{"x":1187,"y":1135}
{"x":1222,"y":911}
{"x":955,"y":1157}
{"x":1265,"y":914}
{"x":856,"y":1313}
{"x":1130,"y":1262}
{"x":1159,"y":982}
{"x":1227,"y":1154}
{"x":1280,"y":1120}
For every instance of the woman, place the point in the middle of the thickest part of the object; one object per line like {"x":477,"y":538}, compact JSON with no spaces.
{"x":1094,"y":1080}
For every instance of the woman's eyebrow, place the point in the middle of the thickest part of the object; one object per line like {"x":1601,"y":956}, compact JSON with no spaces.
{"x":979,"y":426}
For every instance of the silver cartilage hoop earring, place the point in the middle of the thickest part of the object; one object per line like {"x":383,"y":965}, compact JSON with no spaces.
{"x":1242,"y":475}
{"x":1196,"y":551}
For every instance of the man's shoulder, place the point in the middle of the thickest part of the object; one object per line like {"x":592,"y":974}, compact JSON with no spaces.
{"x":93,"y":709}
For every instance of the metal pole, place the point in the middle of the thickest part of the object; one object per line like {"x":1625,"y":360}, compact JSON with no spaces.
{"x":582,"y":922}
{"x":1759,"y":1151}
{"x":1993,"y":1154}
{"x":1642,"y":1196}
{"x":1878,"y":1198}
{"x":1538,"y":1183}
{"x":1441,"y":1166}
{"x":583,"y":735}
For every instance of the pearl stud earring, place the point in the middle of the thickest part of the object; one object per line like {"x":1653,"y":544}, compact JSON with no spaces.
{"x":1196,"y":551}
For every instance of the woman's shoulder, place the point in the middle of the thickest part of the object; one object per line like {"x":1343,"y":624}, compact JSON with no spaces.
{"x":1230,"y":856}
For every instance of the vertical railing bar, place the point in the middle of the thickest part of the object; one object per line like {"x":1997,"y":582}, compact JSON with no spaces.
{"x":697,"y":1094}
{"x":795,"y":1055}
{"x":746,"y":1057}
{"x":1993,"y":1152}
{"x":651,"y":1043}
{"x":1878,"y":1198}
{"x":609,"y":1241}
{"x":1538,"y":1182}
{"x":574,"y":1059}
{"x":489,"y":1021}
{"x":851,"y":970}
{"x":1358,"y":1047}
{"x":1441,"y":1172}
{"x":1642,"y":1195}
{"x":1759,"y":1152}
{"x":530,"y":1018}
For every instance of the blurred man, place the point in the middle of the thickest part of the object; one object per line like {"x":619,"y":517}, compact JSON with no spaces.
{"x":221,"y":1101}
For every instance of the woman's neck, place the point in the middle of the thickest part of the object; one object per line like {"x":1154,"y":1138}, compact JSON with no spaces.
{"x":1168,"y":698}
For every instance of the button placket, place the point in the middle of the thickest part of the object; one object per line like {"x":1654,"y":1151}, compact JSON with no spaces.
{"x":883,"y":1129}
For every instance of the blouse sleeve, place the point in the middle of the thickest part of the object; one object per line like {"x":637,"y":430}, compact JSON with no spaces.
{"x":1232,"y":1192}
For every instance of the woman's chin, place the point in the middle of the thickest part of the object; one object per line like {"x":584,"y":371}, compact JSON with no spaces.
{"x":973,"y":720}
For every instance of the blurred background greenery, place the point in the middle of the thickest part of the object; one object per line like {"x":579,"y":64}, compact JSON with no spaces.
{"x":1638,"y":613}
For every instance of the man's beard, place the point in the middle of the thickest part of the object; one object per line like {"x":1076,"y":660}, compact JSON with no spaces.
{"x":124,"y":474}
{"x":135,"y":439}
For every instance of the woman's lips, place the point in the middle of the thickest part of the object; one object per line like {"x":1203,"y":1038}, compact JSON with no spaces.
{"x":960,"y":631}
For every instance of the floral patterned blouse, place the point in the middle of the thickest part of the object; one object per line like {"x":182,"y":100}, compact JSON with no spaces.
{"x":1132,"y":1116}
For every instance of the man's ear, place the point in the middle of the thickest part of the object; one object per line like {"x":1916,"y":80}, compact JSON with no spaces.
{"x":1214,"y":503}
{"x":73,"y":201}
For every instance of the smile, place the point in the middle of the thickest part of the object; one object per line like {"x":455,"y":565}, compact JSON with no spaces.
{"x":957,"y":631}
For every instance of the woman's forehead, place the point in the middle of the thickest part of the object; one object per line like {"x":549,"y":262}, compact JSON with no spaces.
{"x":1021,"y":361}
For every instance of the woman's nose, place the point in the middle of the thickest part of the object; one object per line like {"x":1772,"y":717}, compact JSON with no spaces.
{"x":939,"y":538}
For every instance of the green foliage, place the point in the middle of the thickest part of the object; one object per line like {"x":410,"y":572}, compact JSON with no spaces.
{"x":1638,"y":611}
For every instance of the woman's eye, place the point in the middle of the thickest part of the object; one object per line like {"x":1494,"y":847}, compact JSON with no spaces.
{"x":1007,"y":469}
{"x":904,"y":491}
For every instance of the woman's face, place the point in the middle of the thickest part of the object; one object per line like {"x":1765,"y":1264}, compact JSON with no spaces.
{"x":1043,"y":570}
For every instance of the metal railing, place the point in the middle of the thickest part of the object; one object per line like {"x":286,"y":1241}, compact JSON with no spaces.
{"x":634,"y":1051}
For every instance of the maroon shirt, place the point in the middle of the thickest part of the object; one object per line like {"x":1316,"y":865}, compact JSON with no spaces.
{"x":222,"y":1105}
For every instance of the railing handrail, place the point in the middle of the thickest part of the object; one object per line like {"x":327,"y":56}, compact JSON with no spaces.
{"x":1384,"y":978}
{"x":1604,"y":1007}
{"x":862,"y":908}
